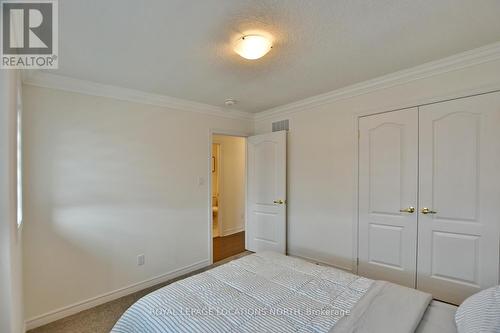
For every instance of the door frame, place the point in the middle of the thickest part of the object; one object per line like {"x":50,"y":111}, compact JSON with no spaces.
{"x":211,"y":133}
{"x":219,"y":182}
{"x":379,"y":110}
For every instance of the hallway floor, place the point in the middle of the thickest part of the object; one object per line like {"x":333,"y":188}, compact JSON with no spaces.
{"x":227,"y":246}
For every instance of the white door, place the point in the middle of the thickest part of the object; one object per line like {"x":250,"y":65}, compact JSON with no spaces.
{"x":388,"y":152}
{"x":266,"y":227}
{"x":459,"y":156}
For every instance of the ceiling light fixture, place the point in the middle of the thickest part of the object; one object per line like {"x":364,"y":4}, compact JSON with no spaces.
{"x":252,"y":46}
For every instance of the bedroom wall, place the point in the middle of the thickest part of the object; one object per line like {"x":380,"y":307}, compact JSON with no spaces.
{"x":107,"y":180}
{"x":11,"y":305}
{"x":321,"y":159}
{"x":232,"y":183}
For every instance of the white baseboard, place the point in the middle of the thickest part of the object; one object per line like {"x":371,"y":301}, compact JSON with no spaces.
{"x":231,"y":231}
{"x":110,"y":296}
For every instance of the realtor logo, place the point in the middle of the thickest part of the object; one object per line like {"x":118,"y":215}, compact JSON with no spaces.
{"x":29,"y":34}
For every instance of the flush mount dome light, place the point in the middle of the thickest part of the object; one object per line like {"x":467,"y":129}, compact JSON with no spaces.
{"x":252,"y":46}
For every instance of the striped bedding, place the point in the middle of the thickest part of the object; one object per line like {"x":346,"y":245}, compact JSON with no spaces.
{"x":480,"y":312}
{"x":262,"y":292}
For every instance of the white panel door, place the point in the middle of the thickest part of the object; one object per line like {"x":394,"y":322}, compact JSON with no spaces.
{"x":388,"y":152}
{"x":266,"y":227}
{"x":459,"y":197}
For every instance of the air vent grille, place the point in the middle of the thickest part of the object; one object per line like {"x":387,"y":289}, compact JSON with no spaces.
{"x":281,"y":125}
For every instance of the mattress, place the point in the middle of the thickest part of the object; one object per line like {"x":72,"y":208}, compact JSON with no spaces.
{"x":270,"y":292}
{"x":438,"y":318}
{"x":262,"y":292}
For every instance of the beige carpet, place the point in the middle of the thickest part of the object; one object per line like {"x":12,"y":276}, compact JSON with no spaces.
{"x":102,"y":318}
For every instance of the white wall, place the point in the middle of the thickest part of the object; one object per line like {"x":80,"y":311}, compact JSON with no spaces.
{"x":107,"y":180}
{"x":321,"y":159}
{"x":11,"y":307}
{"x":232,"y":183}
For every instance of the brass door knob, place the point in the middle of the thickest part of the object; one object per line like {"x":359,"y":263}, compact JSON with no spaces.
{"x":426,"y":211}
{"x":279,"y":202}
{"x":408,"y":210}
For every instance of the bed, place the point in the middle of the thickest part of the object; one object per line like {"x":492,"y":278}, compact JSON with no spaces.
{"x":270,"y":292}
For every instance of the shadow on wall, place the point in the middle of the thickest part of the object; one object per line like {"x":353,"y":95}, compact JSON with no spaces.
{"x":323,"y":258}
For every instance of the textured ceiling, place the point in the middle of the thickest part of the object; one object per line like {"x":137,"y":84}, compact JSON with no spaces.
{"x":183,"y":48}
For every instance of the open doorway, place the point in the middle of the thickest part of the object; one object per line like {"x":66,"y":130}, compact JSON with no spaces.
{"x":228,"y":197}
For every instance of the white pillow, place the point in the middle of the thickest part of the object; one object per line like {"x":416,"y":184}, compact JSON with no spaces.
{"x":480,"y":312}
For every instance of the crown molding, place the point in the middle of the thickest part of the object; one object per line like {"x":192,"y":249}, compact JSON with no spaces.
{"x":53,"y":81}
{"x":459,"y":61}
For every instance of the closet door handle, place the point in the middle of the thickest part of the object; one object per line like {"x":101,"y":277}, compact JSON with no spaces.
{"x":408,"y":210}
{"x":426,"y":211}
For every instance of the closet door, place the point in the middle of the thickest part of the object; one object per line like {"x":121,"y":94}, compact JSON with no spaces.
{"x":459,"y":197}
{"x":388,"y":150}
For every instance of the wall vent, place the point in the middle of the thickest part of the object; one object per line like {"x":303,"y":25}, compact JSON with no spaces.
{"x":281,"y":125}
